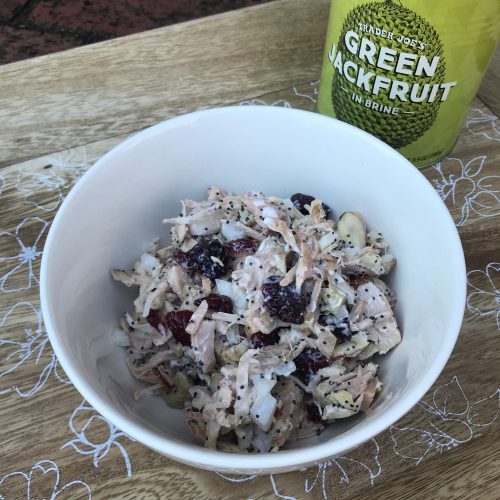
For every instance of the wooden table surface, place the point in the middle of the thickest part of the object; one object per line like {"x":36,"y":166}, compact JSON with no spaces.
{"x":60,"y":113}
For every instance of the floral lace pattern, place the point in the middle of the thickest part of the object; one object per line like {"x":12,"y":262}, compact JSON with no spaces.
{"x":484,"y":298}
{"x":43,"y":481}
{"x":449,"y":415}
{"x":95,"y":435}
{"x":32,"y":348}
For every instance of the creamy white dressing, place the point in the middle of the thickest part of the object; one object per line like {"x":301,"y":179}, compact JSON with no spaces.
{"x":229,"y":350}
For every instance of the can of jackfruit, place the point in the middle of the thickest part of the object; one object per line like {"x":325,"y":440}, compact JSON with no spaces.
{"x":406,"y":71}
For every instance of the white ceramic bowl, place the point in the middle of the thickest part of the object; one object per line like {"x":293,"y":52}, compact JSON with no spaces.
{"x":115,"y":210}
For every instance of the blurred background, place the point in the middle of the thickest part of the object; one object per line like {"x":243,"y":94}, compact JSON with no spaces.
{"x":31,"y":28}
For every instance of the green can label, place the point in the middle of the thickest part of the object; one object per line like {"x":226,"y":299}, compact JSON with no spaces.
{"x":406,"y":71}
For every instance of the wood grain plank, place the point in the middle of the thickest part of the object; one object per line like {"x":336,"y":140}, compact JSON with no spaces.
{"x":58,"y":101}
{"x":471,"y":471}
{"x":38,"y":427}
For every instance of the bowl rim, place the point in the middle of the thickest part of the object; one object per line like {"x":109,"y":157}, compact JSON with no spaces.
{"x":266,"y":462}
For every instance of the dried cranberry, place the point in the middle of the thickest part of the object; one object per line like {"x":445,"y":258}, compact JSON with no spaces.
{"x":358,"y":279}
{"x":342,"y":332}
{"x":155,"y":319}
{"x":313,"y":413}
{"x":177,"y":321}
{"x":244,"y":246}
{"x":182,"y":259}
{"x":339,"y":327}
{"x":309,"y":361}
{"x":283,"y":302}
{"x":216,"y":302}
{"x":178,"y":256}
{"x":300,"y":200}
{"x":260,"y":339}
{"x":208,"y":257}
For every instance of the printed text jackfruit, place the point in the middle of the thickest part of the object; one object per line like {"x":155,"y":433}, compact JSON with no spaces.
{"x":392,"y":61}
